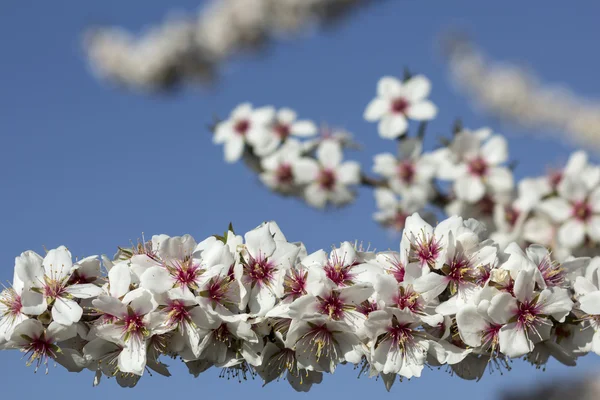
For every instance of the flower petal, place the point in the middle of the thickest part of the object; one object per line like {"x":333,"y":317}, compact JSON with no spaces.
{"x":422,"y":111}
{"x":392,"y":126}
{"x":376,"y":109}
{"x":572,"y":233}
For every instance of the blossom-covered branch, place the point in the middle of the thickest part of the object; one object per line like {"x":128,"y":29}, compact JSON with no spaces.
{"x":513,"y":94}
{"x":262,"y":305}
{"x":470,"y":175}
{"x":188,"y":49}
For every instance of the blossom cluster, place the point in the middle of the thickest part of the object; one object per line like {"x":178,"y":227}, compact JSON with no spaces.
{"x":513,"y":94}
{"x":261,"y":305}
{"x":191,"y":48}
{"x":470,"y":175}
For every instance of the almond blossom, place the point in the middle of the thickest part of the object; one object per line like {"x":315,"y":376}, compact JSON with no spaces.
{"x":396,"y":101}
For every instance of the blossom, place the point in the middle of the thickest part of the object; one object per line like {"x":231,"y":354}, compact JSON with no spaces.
{"x":131,"y":325}
{"x":49,"y":279}
{"x":393,"y":212}
{"x":396,"y":101}
{"x":473,"y":162}
{"x":245,"y":126}
{"x":410,"y":174}
{"x":576,"y":209}
{"x":284,"y":126}
{"x":37,"y":342}
{"x":278,"y":172}
{"x":327,"y":178}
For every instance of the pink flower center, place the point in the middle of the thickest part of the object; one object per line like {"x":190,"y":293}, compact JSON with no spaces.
{"x":458,"y":269}
{"x":396,"y":269}
{"x":284,"y":174}
{"x":511,"y":215}
{"x":134,"y":324}
{"x":332,"y":306}
{"x":427,"y":250}
{"x":406,"y":171}
{"x":582,"y":211}
{"x":12,"y":301}
{"x":241,"y":127}
{"x":408,"y":299}
{"x":554,"y":177}
{"x":295,"y":283}
{"x":259,"y":270}
{"x":53,"y":289}
{"x":40,"y":349}
{"x":367,"y":307}
{"x":186,"y":274}
{"x":327,"y":179}
{"x":552,"y":272}
{"x":282,"y":130}
{"x":339,"y":274}
{"x":401,"y":335}
{"x":486,"y":205}
{"x":217,"y":289}
{"x":178,"y":312}
{"x":478,"y":167}
{"x":528,"y":315}
{"x":490,"y":335}
{"x":400,"y":105}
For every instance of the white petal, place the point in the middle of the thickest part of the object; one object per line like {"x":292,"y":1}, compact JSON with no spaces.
{"x":57,"y":263}
{"x":119,"y":278}
{"x":84,"y":291}
{"x":133,"y":357}
{"x":593,"y":228}
{"x":31,"y":328}
{"x":392,"y":126}
{"x":590,"y":303}
{"x":329,"y":153}
{"x":417,"y":87}
{"x":33,"y":303}
{"x":305,"y":170}
{"x":60,"y":332}
{"x":469,"y":188}
{"x":66,"y":311}
{"x":376,"y":109}
{"x":422,"y":111}
{"x":502,"y":308}
{"x":315,"y":195}
{"x":110,"y":305}
{"x":156,"y":279}
{"x":349,"y":173}
{"x":389,"y":87}
{"x":556,"y":208}
{"x":572,"y":233}
{"x":514,"y":341}
{"x":286,"y":116}
{"x":234,"y":147}
{"x":28,"y":267}
{"x":470,"y":325}
{"x":243,"y":110}
{"x":303,"y":128}
{"x":260,"y":242}
{"x":500,"y":179}
{"x":495,"y":150}
{"x":594,"y":200}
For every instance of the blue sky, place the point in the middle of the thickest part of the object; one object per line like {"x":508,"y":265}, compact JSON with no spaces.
{"x":88,"y":165}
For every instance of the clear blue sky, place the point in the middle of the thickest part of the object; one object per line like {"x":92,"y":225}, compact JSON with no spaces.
{"x":90,"y":166}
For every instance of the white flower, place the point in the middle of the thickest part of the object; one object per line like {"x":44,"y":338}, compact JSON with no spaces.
{"x":524,"y":318}
{"x":39,"y":343}
{"x":398,"y":346}
{"x":283,"y":126}
{"x":576,"y":209}
{"x":322,"y":344}
{"x":131,"y":325}
{"x":49,"y":280}
{"x":396,"y":101}
{"x":278,"y":173}
{"x":411,"y":173}
{"x":327,"y":177}
{"x":265,"y":261}
{"x":244,"y":126}
{"x":473,"y":162}
{"x":393,"y":212}
{"x":11,"y":307}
